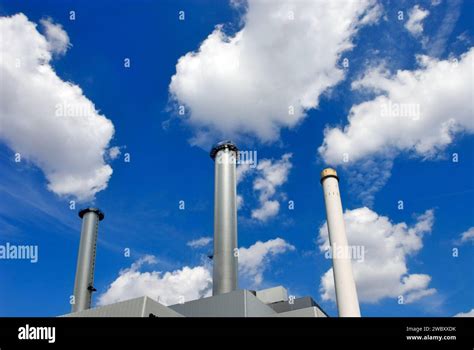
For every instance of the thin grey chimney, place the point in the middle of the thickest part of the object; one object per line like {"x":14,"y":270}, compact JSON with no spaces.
{"x":84,"y":283}
{"x":225,"y":256}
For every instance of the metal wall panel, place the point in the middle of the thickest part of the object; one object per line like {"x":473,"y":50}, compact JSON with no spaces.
{"x":239,"y":303}
{"x":272,"y":295}
{"x":306,"y":312}
{"x":138,"y":307}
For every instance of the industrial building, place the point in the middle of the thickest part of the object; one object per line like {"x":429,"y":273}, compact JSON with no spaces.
{"x":227,"y":299}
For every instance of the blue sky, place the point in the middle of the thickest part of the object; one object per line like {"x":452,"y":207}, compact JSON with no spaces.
{"x":169,"y":161}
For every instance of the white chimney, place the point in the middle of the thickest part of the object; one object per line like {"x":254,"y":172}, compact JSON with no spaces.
{"x":346,"y":293}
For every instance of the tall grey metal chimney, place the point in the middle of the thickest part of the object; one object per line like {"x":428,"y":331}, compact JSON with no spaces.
{"x":225,"y":256}
{"x":84,"y":283}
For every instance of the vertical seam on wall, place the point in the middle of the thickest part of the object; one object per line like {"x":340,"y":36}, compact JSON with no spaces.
{"x":144,"y":306}
{"x":245,"y":303}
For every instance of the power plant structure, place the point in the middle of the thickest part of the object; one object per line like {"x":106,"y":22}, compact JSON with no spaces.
{"x":227,"y":299}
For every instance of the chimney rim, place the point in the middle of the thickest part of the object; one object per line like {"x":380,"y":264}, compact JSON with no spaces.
{"x":328,"y":172}
{"x":227,"y":144}
{"x":99,"y":213}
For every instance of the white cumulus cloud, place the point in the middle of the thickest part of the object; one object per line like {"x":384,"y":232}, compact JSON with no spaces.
{"x":436,"y":45}
{"x":465,"y":314}
{"x":416,"y":15}
{"x":241,"y":173}
{"x":58,"y":40}
{"x":271,"y":176}
{"x":383,"y":271}
{"x":47,"y":120}
{"x":168,"y":288}
{"x":467,"y":236}
{"x":270,"y":72}
{"x":418,"y":111}
{"x":199,"y":242}
{"x":254,"y":260}
{"x":267,"y":210}
{"x":114,"y":152}
{"x":188,"y":283}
